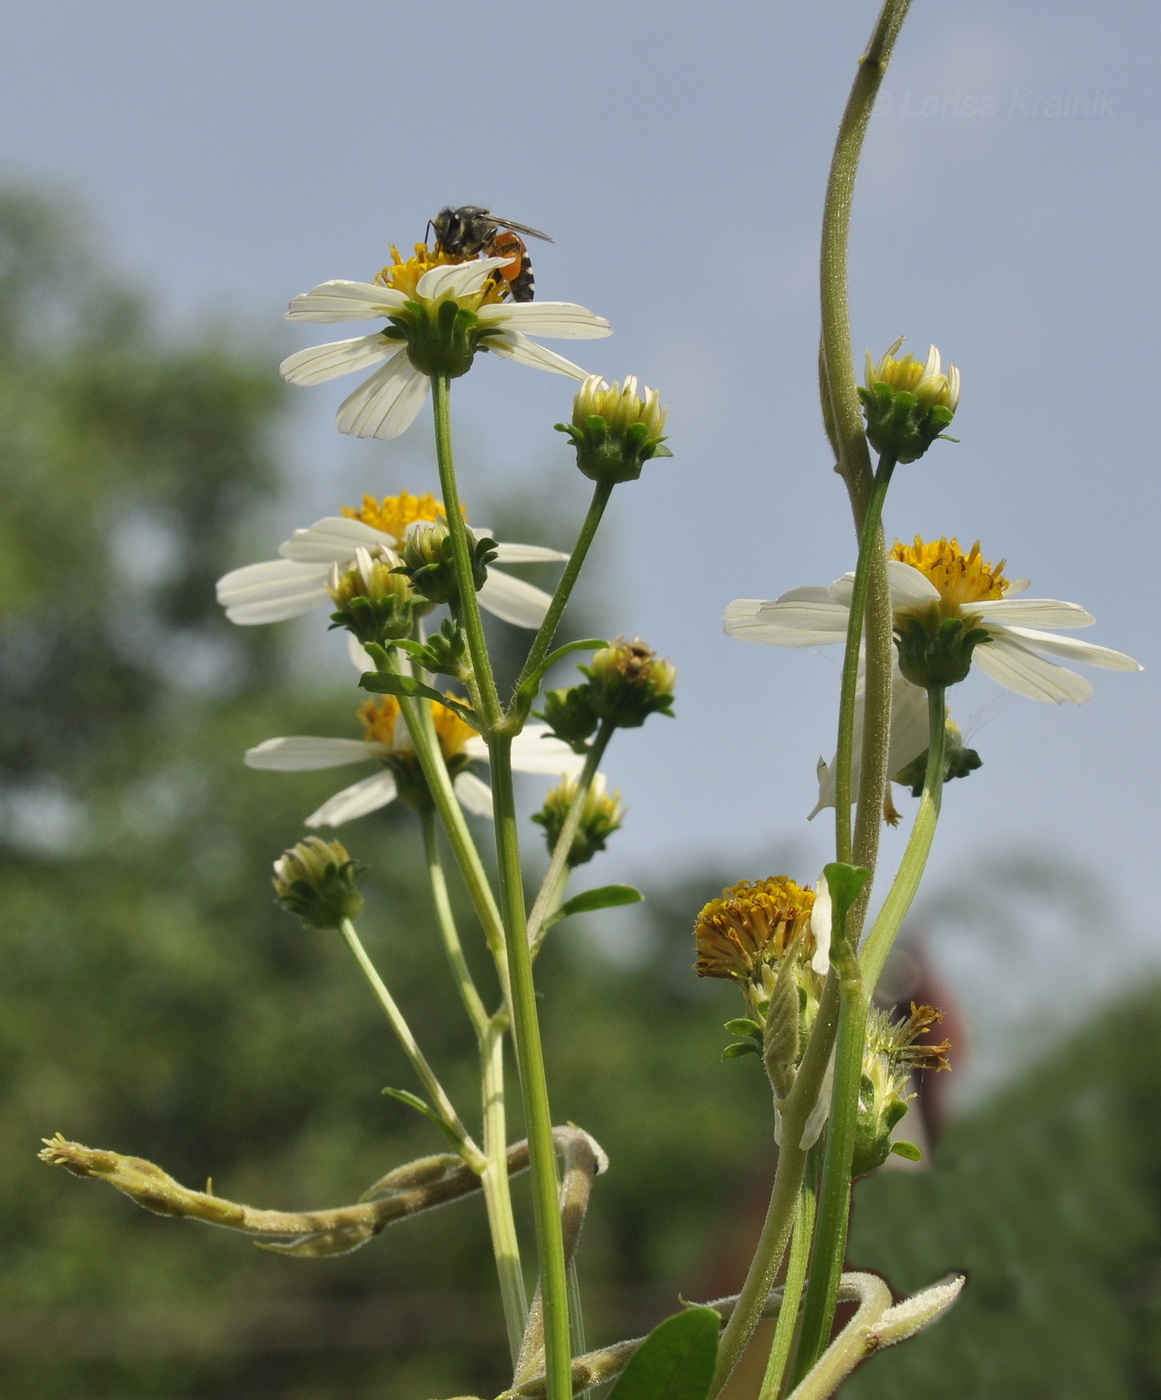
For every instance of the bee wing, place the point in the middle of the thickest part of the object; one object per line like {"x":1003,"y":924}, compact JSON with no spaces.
{"x":521,"y":228}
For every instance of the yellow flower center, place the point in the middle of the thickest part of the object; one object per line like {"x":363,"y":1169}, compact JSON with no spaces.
{"x":752,"y":924}
{"x":393,"y":514}
{"x":380,"y":721}
{"x":403,"y":275}
{"x":962,"y":580}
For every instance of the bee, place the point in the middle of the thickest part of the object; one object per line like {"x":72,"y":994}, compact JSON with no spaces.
{"x":472,"y":229}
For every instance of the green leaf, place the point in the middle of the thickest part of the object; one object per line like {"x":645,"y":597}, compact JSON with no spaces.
{"x":675,"y":1361}
{"x":907,"y":1150}
{"x":742,"y":1025}
{"x":532,"y":683}
{"x":387,"y":683}
{"x":845,"y":883}
{"x":422,"y":1106}
{"x":604,"y":897}
{"x":739,"y":1048}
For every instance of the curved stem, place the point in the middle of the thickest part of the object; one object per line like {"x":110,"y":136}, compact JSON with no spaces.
{"x":870,"y":544}
{"x":552,"y":883}
{"x":792,"y":1288}
{"x":439,"y":1099}
{"x":911,"y":867}
{"x":543,"y":639}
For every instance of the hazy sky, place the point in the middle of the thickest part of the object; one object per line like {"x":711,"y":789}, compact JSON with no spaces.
{"x":235,"y":152}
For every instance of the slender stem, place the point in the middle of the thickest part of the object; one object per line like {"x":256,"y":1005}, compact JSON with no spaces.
{"x":543,"y":639}
{"x":533,"y":1082}
{"x":495,"y":1183}
{"x":551,"y":885}
{"x":834,"y":1202}
{"x":911,"y":867}
{"x":869,"y":545}
{"x":791,"y":1288}
{"x":439,"y":1099}
{"x":490,"y":1038}
{"x":525,"y":1025}
{"x":784,"y":1197}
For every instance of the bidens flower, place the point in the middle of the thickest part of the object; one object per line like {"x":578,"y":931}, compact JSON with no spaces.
{"x":296,"y":583}
{"x":932,"y":585}
{"x":614,"y":432}
{"x":386,"y":739}
{"x":907,"y":405}
{"x":441,"y":314}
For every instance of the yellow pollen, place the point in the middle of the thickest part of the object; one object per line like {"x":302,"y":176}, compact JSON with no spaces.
{"x":752,"y":924}
{"x":961,"y":579}
{"x":393,"y":514}
{"x":403,"y":275}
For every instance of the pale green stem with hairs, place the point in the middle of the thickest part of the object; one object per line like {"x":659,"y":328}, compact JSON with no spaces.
{"x":792,"y":1286}
{"x":435,"y":1090}
{"x":490,"y":1039}
{"x":525,"y":1023}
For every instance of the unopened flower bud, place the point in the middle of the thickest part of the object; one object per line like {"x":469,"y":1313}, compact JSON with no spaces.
{"x":628,"y":682}
{"x":374,"y":601}
{"x":601,"y":815}
{"x":429,"y":560}
{"x":908,"y":405}
{"x":316,"y":881}
{"x":570,"y":716}
{"x":889,"y":1060}
{"x":614,"y":431}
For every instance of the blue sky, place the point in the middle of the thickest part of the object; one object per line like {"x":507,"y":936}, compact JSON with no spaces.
{"x":235,"y":152}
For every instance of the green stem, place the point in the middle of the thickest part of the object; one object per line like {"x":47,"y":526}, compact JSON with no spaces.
{"x":533,"y":1082}
{"x":543,"y":639}
{"x":551,"y":885}
{"x":439,"y":1099}
{"x":911,"y":867}
{"x":781,"y":1211}
{"x":490,"y":1038}
{"x":870,"y":545}
{"x":791,"y":1288}
{"x":525,"y":1025}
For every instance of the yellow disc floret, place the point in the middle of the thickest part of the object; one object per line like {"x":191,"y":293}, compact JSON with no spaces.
{"x":962,"y":580}
{"x":380,"y":721}
{"x":753,"y":924}
{"x":403,"y":275}
{"x":393,"y":514}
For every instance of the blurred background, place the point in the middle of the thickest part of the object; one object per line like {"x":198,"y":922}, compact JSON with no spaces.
{"x":170,"y":176}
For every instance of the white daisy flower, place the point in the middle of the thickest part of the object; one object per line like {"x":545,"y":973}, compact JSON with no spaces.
{"x":424,"y":336}
{"x":297,"y":582}
{"x":386,"y":739}
{"x":936,"y":581}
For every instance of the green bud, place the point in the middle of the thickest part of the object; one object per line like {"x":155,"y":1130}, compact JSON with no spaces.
{"x":374,"y":601}
{"x":570,"y":716}
{"x":316,"y":881}
{"x":908,"y":405}
{"x":601,"y":816}
{"x":889,"y":1060}
{"x":614,"y":432}
{"x":429,"y":561}
{"x":628,"y":682}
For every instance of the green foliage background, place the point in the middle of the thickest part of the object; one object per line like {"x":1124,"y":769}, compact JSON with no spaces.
{"x":155,"y":1001}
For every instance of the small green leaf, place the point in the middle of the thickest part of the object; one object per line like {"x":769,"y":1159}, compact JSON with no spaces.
{"x":604,"y":897}
{"x":387,"y":683}
{"x":675,"y":1361}
{"x":742,"y":1025}
{"x":845,"y":883}
{"x":907,"y":1150}
{"x":739,"y":1048}
{"x":422,"y":1106}
{"x":532,"y":683}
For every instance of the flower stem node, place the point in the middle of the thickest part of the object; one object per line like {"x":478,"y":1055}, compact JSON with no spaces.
{"x":908,"y":405}
{"x":936,"y":650}
{"x":628,"y":682}
{"x":890,"y":1059}
{"x":429,"y":562}
{"x":373,"y":601}
{"x":614,"y":431}
{"x":601,"y":815}
{"x":316,"y":881}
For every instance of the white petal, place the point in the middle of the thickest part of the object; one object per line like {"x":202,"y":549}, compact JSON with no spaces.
{"x":1015,"y":667}
{"x":909,"y":588}
{"x":474,"y":796}
{"x":387,"y":403}
{"x":1074,"y":650}
{"x":1037,"y":612}
{"x":536,"y":750}
{"x":345,"y":301}
{"x":318,"y":363}
{"x":355,"y":801}
{"x":787,"y":624}
{"x":334,"y":540}
{"x":527,"y":554}
{"x":272,"y":591}
{"x":514,"y":346}
{"x":360,"y":659}
{"x":300,"y":753}
{"x":812,"y":1128}
{"x":820,"y":925}
{"x":558,"y":320}
{"x":457,"y":279}
{"x":512,"y":600}
{"x":910,"y":735}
